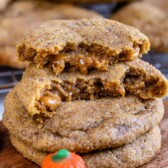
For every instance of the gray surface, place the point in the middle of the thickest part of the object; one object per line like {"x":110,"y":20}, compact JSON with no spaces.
{"x":2,"y":96}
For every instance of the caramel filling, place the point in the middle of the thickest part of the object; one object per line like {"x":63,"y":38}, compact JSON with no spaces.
{"x":77,"y":62}
{"x":143,"y":86}
{"x":81,"y":57}
{"x":92,"y":89}
{"x":83,"y":61}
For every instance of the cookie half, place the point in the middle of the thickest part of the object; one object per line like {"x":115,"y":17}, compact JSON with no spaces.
{"x":132,"y":155}
{"x":150,"y":17}
{"x":82,"y":45}
{"x":84,"y":126}
{"x":159,"y":4}
{"x":24,"y":15}
{"x":47,"y":92}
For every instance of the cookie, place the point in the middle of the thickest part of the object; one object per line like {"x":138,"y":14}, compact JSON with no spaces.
{"x":82,"y":44}
{"x":47,"y":91}
{"x":23,"y":15}
{"x":150,"y":18}
{"x":84,"y":126}
{"x":131,"y":155}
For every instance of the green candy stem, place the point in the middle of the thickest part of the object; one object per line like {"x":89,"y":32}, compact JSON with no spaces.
{"x":61,"y":154}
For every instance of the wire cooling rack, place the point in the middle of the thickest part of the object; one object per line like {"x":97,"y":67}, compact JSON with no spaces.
{"x":159,"y":60}
{"x":9,"y":78}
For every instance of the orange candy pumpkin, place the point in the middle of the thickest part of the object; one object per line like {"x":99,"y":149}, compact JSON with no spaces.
{"x":63,"y":159}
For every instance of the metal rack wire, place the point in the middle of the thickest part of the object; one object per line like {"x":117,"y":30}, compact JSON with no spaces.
{"x":159,"y":60}
{"x":9,"y":78}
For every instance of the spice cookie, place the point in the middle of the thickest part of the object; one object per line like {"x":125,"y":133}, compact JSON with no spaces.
{"x":148,"y":18}
{"x":47,"y":91}
{"x":82,"y":44}
{"x":132,"y":155}
{"x":23,"y":15}
{"x":84,"y":126}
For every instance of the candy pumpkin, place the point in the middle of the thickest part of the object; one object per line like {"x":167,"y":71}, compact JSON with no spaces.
{"x":63,"y":159}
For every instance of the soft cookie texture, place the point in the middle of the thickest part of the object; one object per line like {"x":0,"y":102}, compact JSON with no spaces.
{"x":132,"y":155}
{"x":23,"y":15}
{"x":42,"y":85}
{"x":86,"y":90}
{"x":150,"y":17}
{"x":82,"y":44}
{"x":84,"y":126}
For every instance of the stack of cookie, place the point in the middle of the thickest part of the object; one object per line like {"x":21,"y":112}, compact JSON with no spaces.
{"x":87,"y":90}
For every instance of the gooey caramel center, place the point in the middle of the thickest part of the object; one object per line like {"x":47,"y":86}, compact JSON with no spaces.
{"x":51,"y":102}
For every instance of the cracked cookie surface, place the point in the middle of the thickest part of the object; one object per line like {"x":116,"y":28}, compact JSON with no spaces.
{"x":84,"y":126}
{"x":132,"y":155}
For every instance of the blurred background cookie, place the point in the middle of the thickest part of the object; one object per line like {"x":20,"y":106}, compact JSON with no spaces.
{"x":23,"y":15}
{"x":150,"y":17}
